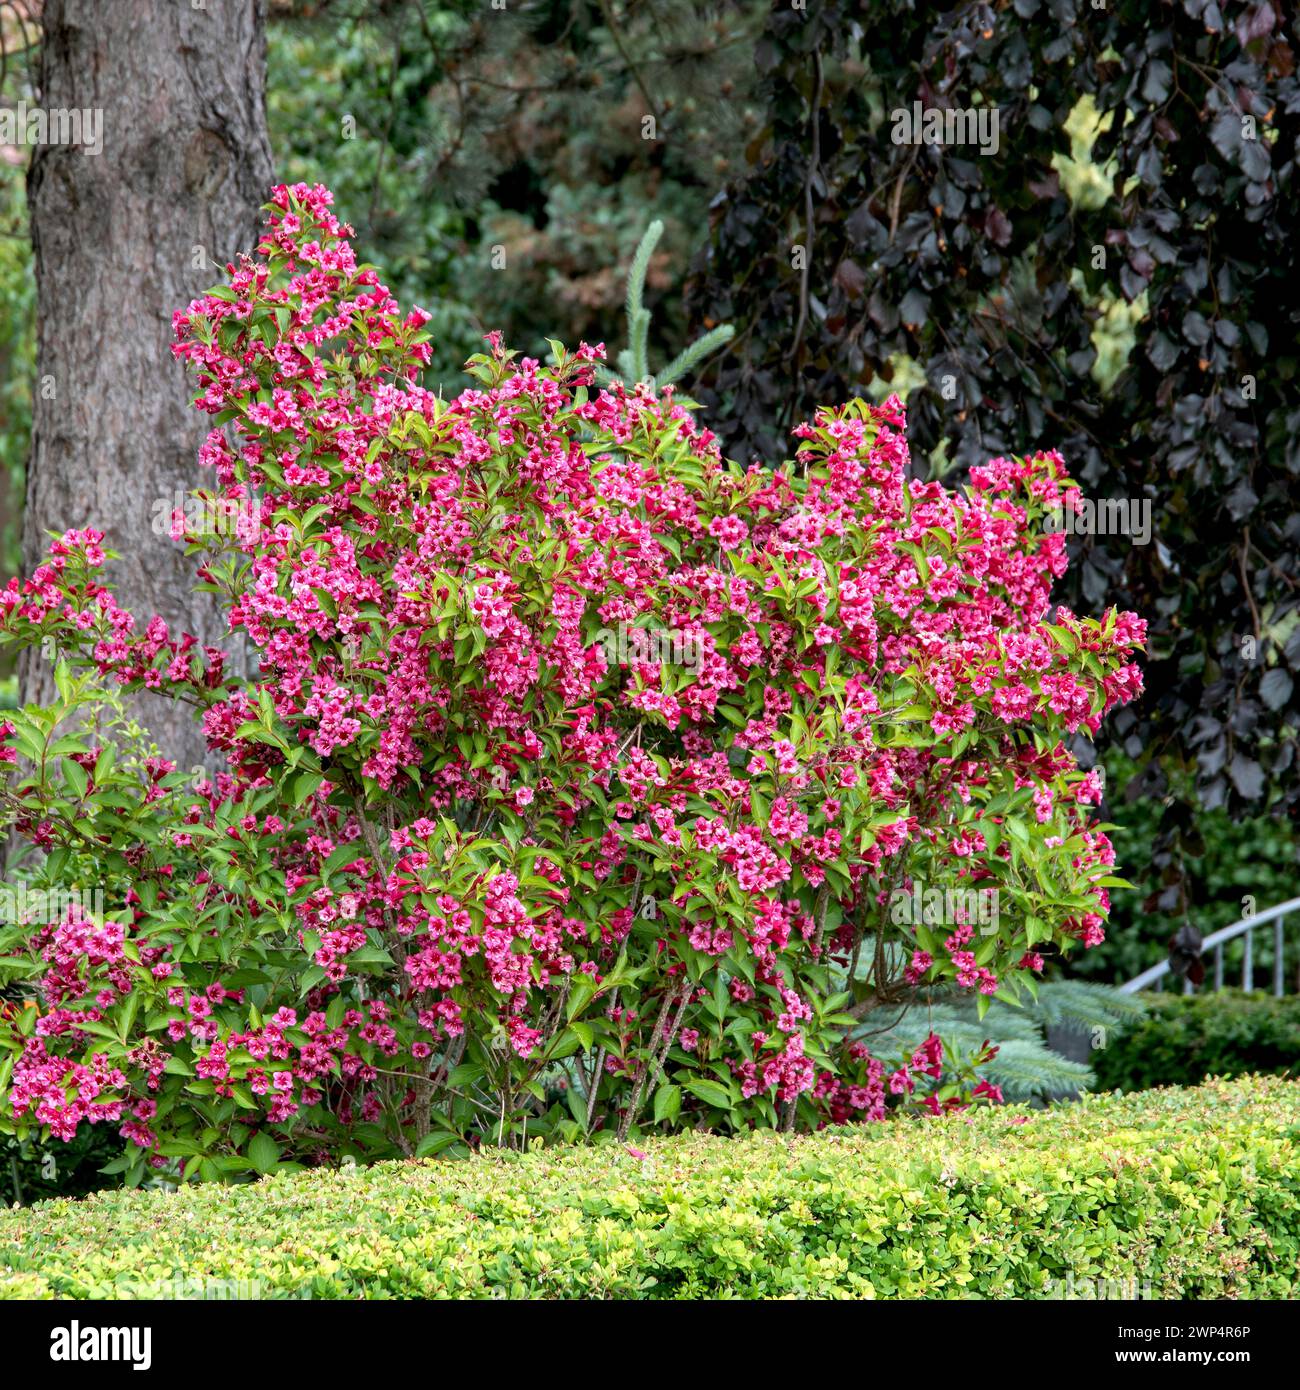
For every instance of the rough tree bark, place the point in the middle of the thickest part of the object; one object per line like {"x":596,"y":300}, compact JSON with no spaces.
{"x":121,"y":240}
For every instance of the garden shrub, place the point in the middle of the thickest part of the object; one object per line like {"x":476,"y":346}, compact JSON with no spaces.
{"x":31,"y":1171}
{"x":581,"y":781}
{"x":1184,"y":1038}
{"x":1169,"y":1194}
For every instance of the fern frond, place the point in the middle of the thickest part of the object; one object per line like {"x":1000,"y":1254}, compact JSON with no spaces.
{"x":1000,"y":1020}
{"x":893,"y":1032}
{"x":1025,"y":1067}
{"x":1029,"y":1070}
{"x":951,"y":1021}
{"x":1083,"y":1006}
{"x":1075,"y":1004}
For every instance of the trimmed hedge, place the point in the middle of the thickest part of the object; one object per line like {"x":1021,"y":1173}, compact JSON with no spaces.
{"x":1192,"y":1194}
{"x":1186,"y":1037}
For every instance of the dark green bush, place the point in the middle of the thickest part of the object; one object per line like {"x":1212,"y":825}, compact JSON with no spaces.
{"x":1170,"y":1194}
{"x":34,"y":1172}
{"x":1225,"y":864}
{"x":1184,"y":1038}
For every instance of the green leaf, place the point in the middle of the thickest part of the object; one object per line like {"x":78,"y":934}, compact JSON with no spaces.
{"x":711,"y":1092}
{"x":264,"y":1153}
{"x":577,"y":1104}
{"x":668,"y":1102}
{"x":76,"y":778}
{"x":304,"y":784}
{"x":436,"y":1142}
{"x":126,"y":1018}
{"x":370,"y":955}
{"x":344,"y":854}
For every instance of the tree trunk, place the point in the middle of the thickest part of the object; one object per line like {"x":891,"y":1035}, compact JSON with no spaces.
{"x":123,"y":238}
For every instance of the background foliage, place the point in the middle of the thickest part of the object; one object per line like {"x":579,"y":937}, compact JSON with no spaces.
{"x":1184,"y":1038}
{"x":500,"y":160}
{"x":941,"y":263}
{"x":1211,"y":873}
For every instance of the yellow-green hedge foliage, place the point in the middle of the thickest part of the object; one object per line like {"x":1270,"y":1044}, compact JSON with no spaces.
{"x":1171,"y":1194}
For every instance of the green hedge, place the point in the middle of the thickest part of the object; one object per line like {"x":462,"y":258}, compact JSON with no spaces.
{"x":1186,"y":1037}
{"x":1192,"y":1194}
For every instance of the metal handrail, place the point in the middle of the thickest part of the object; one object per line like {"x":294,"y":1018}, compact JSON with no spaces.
{"x":1215,"y":942}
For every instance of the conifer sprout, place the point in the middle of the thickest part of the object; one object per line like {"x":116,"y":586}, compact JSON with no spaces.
{"x":633,"y":363}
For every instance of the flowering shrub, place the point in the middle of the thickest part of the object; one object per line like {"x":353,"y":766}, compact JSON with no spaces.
{"x":476,"y":872}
